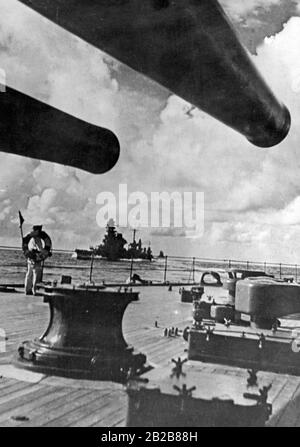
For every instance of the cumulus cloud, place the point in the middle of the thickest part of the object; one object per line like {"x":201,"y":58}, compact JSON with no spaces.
{"x":168,"y":232}
{"x":258,"y":187}
{"x":165,"y":146}
{"x":48,"y":63}
{"x":289,"y":215}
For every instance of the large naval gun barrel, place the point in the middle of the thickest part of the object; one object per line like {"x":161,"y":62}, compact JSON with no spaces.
{"x":188,"y":46}
{"x":34,"y":129}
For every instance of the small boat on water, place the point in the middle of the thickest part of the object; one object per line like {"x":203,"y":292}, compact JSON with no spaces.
{"x":82,"y":255}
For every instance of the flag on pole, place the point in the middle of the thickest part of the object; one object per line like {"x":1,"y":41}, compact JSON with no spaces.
{"x":22,"y":220}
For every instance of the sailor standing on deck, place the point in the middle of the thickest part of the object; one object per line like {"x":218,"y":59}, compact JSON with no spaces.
{"x":37,"y":247}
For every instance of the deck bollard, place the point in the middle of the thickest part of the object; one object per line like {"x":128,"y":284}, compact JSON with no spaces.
{"x":84,"y":338}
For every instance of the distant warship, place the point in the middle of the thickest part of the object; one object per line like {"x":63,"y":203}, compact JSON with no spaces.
{"x":113,"y":247}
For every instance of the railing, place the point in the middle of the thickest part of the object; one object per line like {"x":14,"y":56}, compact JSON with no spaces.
{"x":168,"y":268}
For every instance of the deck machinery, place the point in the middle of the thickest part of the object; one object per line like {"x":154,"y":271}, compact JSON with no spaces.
{"x":84,"y":337}
{"x":242,"y":336}
{"x":247,"y":332}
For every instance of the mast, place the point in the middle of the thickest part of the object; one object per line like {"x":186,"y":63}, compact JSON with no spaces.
{"x":134,"y":233}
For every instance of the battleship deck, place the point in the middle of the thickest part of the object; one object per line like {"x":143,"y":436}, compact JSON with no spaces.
{"x":30,"y":399}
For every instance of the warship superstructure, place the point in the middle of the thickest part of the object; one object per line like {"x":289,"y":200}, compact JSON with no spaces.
{"x":113,"y":247}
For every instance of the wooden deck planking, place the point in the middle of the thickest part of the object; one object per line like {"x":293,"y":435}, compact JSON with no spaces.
{"x":30,"y":408}
{"x":278,"y":385}
{"x":108,"y":414}
{"x":90,"y":413}
{"x":282,"y":400}
{"x":66,"y":402}
{"x":52,"y":410}
{"x":45,"y":405}
{"x":103,"y":409}
{"x":6,"y":382}
{"x":291,"y":411}
{"x":17,"y":395}
{"x":119,"y":419}
{"x":13,"y":388}
{"x":67,"y":412}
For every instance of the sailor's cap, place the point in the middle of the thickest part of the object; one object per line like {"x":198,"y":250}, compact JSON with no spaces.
{"x":37,"y":227}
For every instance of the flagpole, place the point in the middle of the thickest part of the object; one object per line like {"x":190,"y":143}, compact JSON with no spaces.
{"x":91,"y":267}
{"x":21,"y":220}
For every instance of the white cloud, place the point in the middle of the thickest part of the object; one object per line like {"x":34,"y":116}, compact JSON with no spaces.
{"x":45,"y":61}
{"x":162,"y":147}
{"x":260,"y":184}
{"x":240,"y":8}
{"x":290,"y":215}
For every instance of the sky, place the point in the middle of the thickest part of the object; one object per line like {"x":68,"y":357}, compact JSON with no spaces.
{"x":251,"y":195}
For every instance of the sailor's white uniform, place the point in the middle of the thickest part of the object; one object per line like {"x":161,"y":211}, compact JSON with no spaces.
{"x":34,"y":267}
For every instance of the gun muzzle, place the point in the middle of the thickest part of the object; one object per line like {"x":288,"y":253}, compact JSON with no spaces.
{"x":231,"y":88}
{"x":33,"y":129}
{"x":188,"y":46}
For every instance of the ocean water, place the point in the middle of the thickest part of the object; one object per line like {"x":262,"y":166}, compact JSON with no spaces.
{"x":13,"y":268}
